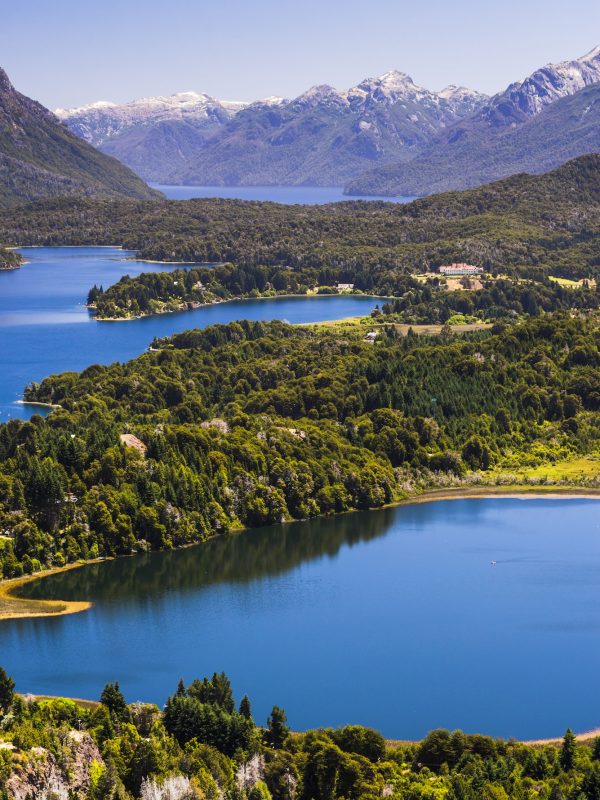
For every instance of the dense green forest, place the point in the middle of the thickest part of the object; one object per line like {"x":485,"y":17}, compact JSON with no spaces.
{"x":417,"y":301}
{"x":530,"y":225}
{"x":253,"y":423}
{"x":181,"y":289}
{"x":429,"y":303}
{"x":203,"y":746}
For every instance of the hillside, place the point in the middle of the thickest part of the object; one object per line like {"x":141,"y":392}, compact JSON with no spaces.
{"x":528,"y":225}
{"x":533,"y":126}
{"x":40,"y":157}
{"x":252,"y":423}
{"x":323,"y":137}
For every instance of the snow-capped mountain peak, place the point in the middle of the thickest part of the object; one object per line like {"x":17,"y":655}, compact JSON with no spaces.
{"x":390,"y":86}
{"x":452,"y":92}
{"x":396,"y":81}
{"x":103,"y":120}
{"x":63,"y":113}
{"x":547,"y":84}
{"x":316,"y":95}
{"x":593,"y":55}
{"x":273,"y":100}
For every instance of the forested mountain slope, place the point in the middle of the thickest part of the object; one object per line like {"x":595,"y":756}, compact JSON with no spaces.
{"x":546,"y":224}
{"x":40,"y":157}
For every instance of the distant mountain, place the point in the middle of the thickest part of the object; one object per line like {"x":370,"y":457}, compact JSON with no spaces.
{"x":155,"y":135}
{"x":534,"y":125}
{"x":323,"y":137}
{"x":98,"y":122}
{"x":40,"y":157}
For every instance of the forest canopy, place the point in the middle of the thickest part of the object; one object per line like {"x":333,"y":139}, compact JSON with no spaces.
{"x":532,"y":225}
{"x":253,"y":423}
{"x":206,"y":746}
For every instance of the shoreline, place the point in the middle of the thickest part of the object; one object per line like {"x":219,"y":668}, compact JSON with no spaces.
{"x":583,"y":736}
{"x":36,"y":403}
{"x":508,"y":492}
{"x":66,"y":247}
{"x":14,"y":607}
{"x":242,"y":299}
{"x":54,"y":608}
{"x":206,"y":264}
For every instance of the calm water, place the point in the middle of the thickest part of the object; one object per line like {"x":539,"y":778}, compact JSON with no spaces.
{"x":393,"y":618}
{"x":289,"y":195}
{"x":45,"y":328}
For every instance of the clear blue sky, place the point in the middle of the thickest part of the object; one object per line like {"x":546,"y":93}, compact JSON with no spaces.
{"x":70,"y":52}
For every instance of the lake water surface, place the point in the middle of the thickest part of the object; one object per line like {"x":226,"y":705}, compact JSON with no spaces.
{"x":288,"y":195}
{"x":393,"y":618}
{"x":45,"y":327}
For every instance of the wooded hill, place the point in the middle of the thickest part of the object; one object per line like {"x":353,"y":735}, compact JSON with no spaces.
{"x":530,"y":225}
{"x":40,"y":157}
{"x":252,"y":423}
{"x":9,"y":259}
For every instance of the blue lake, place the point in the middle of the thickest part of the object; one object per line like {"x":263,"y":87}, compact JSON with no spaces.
{"x":288,"y":195}
{"x":393,"y":618}
{"x":45,"y":327}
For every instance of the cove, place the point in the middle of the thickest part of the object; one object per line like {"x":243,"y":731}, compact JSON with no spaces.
{"x":395,"y":619}
{"x":45,"y":327}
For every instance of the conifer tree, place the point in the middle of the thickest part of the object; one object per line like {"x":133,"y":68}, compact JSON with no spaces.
{"x":7,"y":694}
{"x":567,"y":751}
{"x":278,"y":731}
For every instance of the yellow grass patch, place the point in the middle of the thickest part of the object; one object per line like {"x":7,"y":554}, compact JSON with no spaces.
{"x":574,"y":284}
{"x":14,"y":607}
{"x":585,"y":467}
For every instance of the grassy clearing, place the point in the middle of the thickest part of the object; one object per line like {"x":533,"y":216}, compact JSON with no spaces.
{"x":573,"y":284}
{"x":432,"y":330}
{"x":89,"y":704}
{"x":572,"y":469}
{"x":358,"y":324}
{"x":342,"y":324}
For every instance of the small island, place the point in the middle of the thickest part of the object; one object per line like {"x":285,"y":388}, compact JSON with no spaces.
{"x":10,"y":259}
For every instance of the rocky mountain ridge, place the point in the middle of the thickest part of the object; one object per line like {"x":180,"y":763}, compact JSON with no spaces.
{"x":499,"y":138}
{"x":322,"y":137}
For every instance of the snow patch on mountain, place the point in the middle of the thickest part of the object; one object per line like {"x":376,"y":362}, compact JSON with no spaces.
{"x":102,"y":120}
{"x":546,"y":85}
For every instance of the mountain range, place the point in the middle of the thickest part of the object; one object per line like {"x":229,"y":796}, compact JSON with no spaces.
{"x":384,"y":136}
{"x":324,"y":137}
{"x":533,"y":126}
{"x":40,"y":157}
